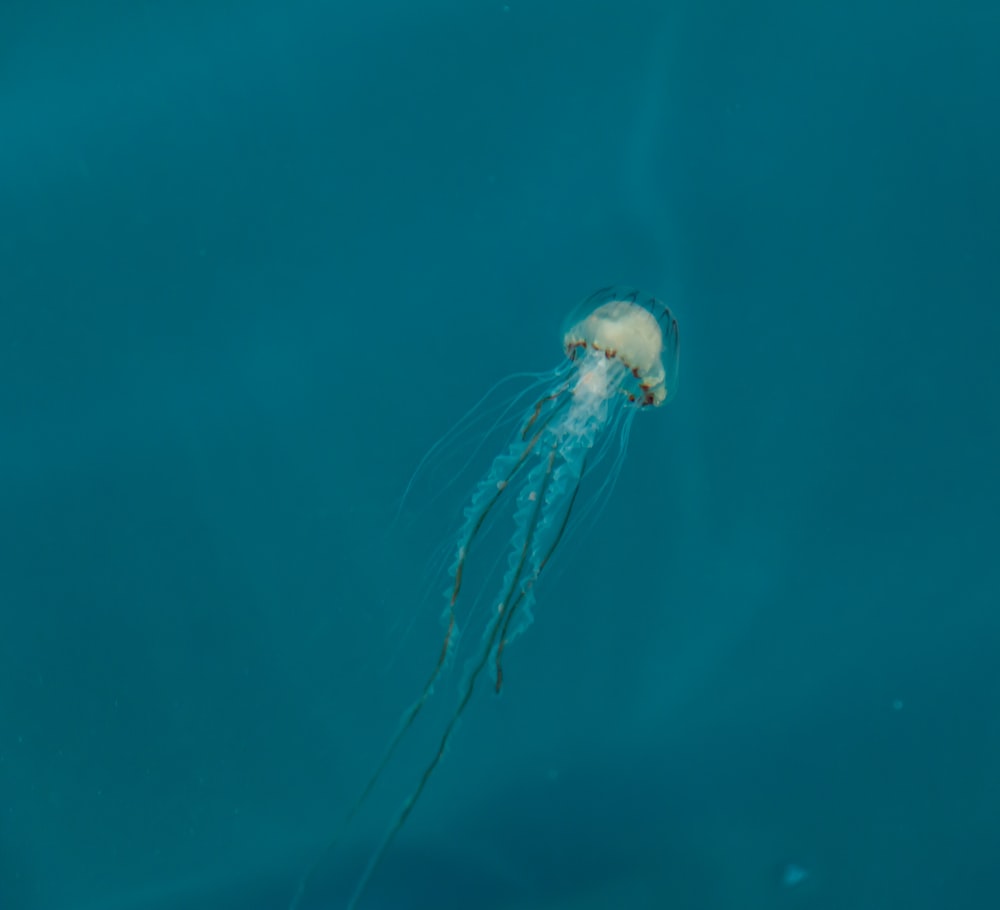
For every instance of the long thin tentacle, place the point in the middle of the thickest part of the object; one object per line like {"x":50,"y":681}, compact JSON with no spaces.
{"x":411,"y":714}
{"x":463,"y":549}
{"x":481,"y":662}
{"x":534,"y":577}
{"x":468,"y":422}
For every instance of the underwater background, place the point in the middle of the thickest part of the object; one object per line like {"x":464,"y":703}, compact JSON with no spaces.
{"x":257,"y":257}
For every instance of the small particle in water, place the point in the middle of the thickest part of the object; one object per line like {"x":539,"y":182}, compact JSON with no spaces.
{"x":897,"y":704}
{"x":793,"y":875}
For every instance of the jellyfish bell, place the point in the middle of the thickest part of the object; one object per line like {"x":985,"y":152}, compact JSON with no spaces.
{"x":636,"y":330}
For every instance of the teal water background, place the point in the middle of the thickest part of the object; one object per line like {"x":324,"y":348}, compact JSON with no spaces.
{"x":256,"y":258}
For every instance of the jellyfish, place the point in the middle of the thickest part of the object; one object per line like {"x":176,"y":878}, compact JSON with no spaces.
{"x":621,"y":348}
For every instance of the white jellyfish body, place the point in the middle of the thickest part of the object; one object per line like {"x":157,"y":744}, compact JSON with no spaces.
{"x":622,"y":349}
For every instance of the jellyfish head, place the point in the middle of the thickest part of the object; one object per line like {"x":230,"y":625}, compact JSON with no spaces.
{"x":634,"y":329}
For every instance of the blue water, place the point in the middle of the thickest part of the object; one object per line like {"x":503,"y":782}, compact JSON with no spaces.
{"x":256,"y":258}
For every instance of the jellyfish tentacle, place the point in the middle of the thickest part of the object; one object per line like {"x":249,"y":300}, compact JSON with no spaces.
{"x":468,"y":422}
{"x":501,"y":485}
{"x":538,"y":409}
{"x":498,"y":660}
{"x":515,"y":575}
{"x":404,"y":725}
{"x":411,"y":714}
